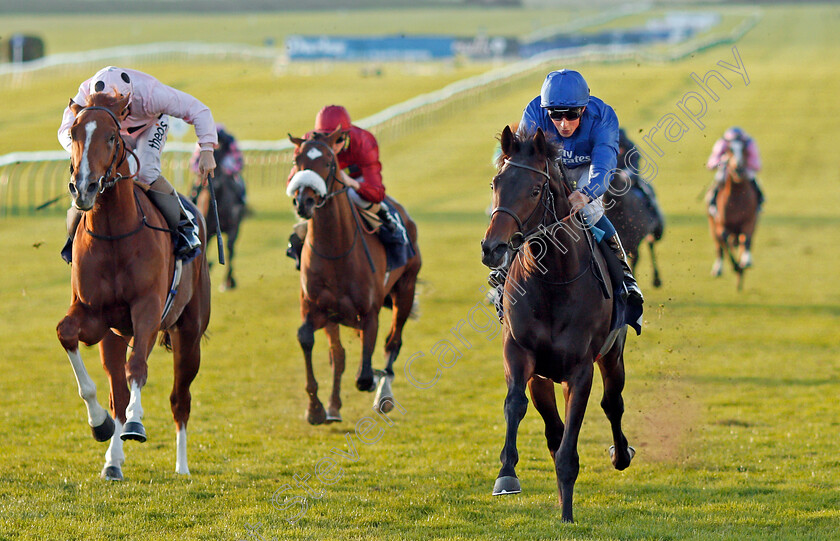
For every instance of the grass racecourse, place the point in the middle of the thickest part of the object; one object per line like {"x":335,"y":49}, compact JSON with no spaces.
{"x":731,"y":398}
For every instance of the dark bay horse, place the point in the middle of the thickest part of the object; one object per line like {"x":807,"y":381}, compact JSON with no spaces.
{"x":123,"y":268}
{"x":231,"y":212}
{"x":632,"y":220}
{"x":734,"y":224}
{"x":343,"y":277}
{"x":556,"y":323}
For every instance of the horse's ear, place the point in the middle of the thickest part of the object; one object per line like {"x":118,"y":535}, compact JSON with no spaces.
{"x":333,"y":137}
{"x":297,"y":141}
{"x":121,"y":105}
{"x":540,"y":145}
{"x":75,"y":107}
{"x":508,"y":142}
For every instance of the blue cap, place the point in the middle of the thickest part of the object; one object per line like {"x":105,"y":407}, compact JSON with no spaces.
{"x":564,"y":88}
{"x":733,"y":133}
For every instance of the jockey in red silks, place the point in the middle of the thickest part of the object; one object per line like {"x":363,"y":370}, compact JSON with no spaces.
{"x":751,"y":158}
{"x":358,"y":168}
{"x":144,"y":125}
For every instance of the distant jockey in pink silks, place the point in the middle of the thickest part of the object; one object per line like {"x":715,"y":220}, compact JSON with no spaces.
{"x":144,"y":125}
{"x":751,"y":158}
{"x":228,"y":159}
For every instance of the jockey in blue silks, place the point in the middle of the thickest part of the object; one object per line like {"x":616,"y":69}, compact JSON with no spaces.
{"x":587,"y":130}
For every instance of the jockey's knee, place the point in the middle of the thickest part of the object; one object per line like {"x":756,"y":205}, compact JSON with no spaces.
{"x":160,"y":184}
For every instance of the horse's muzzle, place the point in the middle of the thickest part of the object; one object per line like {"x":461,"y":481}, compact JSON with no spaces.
{"x":304,"y":206}
{"x":493,"y":253}
{"x":83,"y":192}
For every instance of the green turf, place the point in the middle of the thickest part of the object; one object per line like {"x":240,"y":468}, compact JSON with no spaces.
{"x":731,"y":397}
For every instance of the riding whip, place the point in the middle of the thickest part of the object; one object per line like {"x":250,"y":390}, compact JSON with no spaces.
{"x":218,"y":223}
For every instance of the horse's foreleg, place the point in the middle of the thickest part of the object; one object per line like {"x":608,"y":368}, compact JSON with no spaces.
{"x":567,"y":461}
{"x":112,"y":349}
{"x":145,"y":321}
{"x":403,"y":303}
{"x":519,"y":367}
{"x":78,"y":325}
{"x":745,"y":260}
{"x":656,"y":281}
{"x":369,"y":329}
{"x":315,"y":414}
{"x":542,"y":393}
{"x":337,"y":361}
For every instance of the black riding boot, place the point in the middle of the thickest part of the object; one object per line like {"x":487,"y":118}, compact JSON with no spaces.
{"x":295,"y":248}
{"x":385,"y":216}
{"x":179,"y":219}
{"x":758,"y":192}
{"x":74,"y":216}
{"x":634,"y":294}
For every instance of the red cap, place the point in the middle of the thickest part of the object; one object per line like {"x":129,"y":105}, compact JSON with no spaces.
{"x":331,"y":117}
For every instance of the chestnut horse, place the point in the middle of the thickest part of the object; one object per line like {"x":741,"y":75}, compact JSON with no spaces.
{"x":343,"y":277}
{"x":633,"y":221}
{"x":123,"y":269}
{"x":733,"y":225}
{"x":557,"y":321}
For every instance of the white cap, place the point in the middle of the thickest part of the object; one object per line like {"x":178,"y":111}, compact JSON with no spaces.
{"x":110,"y":79}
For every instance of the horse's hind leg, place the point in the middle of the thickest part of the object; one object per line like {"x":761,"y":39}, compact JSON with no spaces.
{"x":79,"y":325}
{"x":186,"y":346}
{"x":112,"y":349}
{"x":567,"y":461}
{"x":315,"y":414}
{"x":337,"y":361}
{"x":402,"y":297}
{"x":656,"y":281}
{"x":542,"y":393}
{"x":612,"y":372}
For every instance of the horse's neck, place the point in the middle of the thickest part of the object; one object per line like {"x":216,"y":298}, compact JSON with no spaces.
{"x":334,"y":226}
{"x":115,"y":211}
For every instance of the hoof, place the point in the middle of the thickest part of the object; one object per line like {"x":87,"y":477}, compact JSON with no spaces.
{"x":316,"y":415}
{"x":657,"y":282}
{"x":104,"y":431}
{"x":631,"y":452}
{"x":333,"y":416}
{"x":366,"y":384}
{"x":506,"y":485}
{"x":717,"y":269}
{"x":386,"y":404}
{"x":133,"y":430}
{"x":111,"y":473}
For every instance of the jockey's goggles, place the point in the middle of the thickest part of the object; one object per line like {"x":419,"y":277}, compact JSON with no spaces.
{"x":569,"y":113}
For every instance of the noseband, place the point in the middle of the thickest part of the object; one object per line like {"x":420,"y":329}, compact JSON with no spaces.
{"x":106,"y":181}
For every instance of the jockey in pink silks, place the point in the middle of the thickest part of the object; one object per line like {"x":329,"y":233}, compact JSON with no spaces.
{"x":752,"y":163}
{"x":144,"y":125}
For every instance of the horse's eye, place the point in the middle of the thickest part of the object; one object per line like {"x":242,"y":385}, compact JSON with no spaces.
{"x":535,"y":192}
{"x":71,"y":169}
{"x":111,"y":139}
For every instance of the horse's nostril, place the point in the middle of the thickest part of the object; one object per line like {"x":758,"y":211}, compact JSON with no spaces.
{"x":294,"y":203}
{"x":72,"y":188}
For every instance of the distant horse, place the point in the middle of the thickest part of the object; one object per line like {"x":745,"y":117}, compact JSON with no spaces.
{"x":123,"y":268}
{"x":733,"y":225}
{"x":231,"y":212}
{"x":557,"y":321}
{"x":343,"y":276}
{"x":632,"y":220}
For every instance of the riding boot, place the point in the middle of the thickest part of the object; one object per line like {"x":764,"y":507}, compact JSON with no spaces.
{"x":74,"y":216}
{"x":634,"y":294}
{"x":179,"y":219}
{"x":295,"y":249}
{"x":713,"y":210}
{"x":387,"y":220}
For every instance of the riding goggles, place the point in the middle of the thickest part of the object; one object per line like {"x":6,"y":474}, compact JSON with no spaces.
{"x":569,"y":113}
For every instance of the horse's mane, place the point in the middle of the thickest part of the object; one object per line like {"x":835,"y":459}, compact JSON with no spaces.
{"x":524,"y":139}
{"x":101,"y":99}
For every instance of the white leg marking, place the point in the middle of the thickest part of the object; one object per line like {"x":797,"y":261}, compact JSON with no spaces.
{"x":383,"y":392}
{"x":87,"y":389}
{"x":134,"y":410}
{"x":746,"y":259}
{"x":181,"y":458}
{"x":717,"y":268}
{"x":114,"y":456}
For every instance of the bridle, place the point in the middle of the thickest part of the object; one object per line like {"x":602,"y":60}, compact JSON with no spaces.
{"x":332,"y":177}
{"x":120,"y":151}
{"x":520,"y":237}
